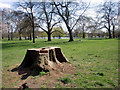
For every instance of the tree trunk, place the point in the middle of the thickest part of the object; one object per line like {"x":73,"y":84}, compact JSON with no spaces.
{"x":83,"y":35}
{"x":33,"y":28}
{"x":8,"y":35}
{"x":44,"y":59}
{"x":25,"y":38}
{"x":11,"y":35}
{"x":109,"y":33}
{"x":30,"y":37}
{"x":70,"y":34}
{"x":113,"y":31}
{"x":59,"y":37}
{"x":49,"y":36}
{"x":83,"y":31}
{"x":33,"y":35}
{"x":20,"y":37}
{"x":2,"y":37}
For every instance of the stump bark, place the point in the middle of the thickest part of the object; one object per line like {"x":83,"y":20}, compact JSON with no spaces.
{"x":43,"y":58}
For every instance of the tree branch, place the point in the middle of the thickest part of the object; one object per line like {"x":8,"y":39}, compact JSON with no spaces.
{"x":41,"y":28}
{"x":54,"y":24}
{"x":80,"y":16}
{"x":106,"y":27}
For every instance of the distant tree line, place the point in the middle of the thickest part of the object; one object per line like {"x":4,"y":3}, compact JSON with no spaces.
{"x":29,"y":17}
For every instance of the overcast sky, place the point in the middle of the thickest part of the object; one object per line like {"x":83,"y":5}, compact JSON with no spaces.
{"x":91,"y":12}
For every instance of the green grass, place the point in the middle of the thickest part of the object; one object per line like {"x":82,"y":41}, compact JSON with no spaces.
{"x":65,"y":80}
{"x":42,"y":73}
{"x":96,"y":60}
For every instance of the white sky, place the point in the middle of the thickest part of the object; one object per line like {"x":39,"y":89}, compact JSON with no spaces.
{"x":90,"y":12}
{"x":5,"y":5}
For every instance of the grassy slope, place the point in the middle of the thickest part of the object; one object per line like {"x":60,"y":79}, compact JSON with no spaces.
{"x":96,"y":61}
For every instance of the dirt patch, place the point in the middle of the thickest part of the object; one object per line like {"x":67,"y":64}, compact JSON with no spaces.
{"x":45,"y":81}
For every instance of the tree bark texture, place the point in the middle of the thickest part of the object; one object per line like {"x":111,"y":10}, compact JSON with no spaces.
{"x":113,"y":31}
{"x":70,"y":34}
{"x":109,"y":33}
{"x":45,"y":58}
{"x":49,"y":36}
{"x":20,"y":37}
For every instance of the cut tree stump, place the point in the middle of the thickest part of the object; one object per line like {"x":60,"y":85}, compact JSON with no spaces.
{"x":46,"y":59}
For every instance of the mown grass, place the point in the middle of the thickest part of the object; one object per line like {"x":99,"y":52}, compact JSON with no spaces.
{"x":96,"y":60}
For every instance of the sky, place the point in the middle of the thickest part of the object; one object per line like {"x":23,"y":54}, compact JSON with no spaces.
{"x":5,"y":5}
{"x":90,"y":12}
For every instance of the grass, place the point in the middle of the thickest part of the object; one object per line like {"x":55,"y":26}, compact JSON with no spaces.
{"x":65,"y":80}
{"x":96,"y":60}
{"x":42,"y":73}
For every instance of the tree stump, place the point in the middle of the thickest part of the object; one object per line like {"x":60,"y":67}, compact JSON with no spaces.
{"x":46,"y":58}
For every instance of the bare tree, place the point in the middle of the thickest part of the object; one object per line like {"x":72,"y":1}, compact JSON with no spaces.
{"x":19,"y":19}
{"x":47,"y":18}
{"x":8,"y":18}
{"x":24,"y":26}
{"x":15,"y":18}
{"x":118,"y":20}
{"x":29,"y":6}
{"x":114,"y":23}
{"x":67,"y":11}
{"x":83,"y":24}
{"x":109,"y":12}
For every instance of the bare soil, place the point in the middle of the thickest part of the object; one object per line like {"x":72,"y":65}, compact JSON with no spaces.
{"x":46,"y":81}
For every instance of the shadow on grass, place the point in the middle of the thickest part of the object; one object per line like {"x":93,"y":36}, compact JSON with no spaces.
{"x":15,"y":44}
{"x":56,"y":43}
{"x":95,"y":38}
{"x":42,"y":43}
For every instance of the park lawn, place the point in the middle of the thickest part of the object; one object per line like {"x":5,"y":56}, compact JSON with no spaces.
{"x":95,"y":60}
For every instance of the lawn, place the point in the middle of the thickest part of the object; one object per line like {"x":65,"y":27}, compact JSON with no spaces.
{"x":95,"y":61}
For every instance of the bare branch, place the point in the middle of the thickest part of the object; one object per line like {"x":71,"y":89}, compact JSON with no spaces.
{"x":55,"y":24}
{"x":41,"y":28}
{"x":80,"y":16}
